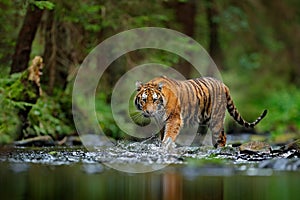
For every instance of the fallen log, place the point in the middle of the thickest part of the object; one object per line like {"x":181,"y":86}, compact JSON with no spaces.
{"x":38,"y":141}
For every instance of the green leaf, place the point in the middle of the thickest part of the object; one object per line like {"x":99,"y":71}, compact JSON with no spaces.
{"x":44,"y":5}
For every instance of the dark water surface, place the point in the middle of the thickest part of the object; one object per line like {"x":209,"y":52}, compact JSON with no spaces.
{"x":94,"y":181}
{"x":189,"y":173}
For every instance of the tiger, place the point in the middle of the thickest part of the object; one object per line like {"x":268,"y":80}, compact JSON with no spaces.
{"x":178,"y":103}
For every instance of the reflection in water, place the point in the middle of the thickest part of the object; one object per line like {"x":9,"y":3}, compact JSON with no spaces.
{"x":92,"y":168}
{"x":172,"y":188}
{"x":95,"y":181}
{"x":19,"y":167}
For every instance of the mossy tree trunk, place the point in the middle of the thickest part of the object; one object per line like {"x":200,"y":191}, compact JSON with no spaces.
{"x":26,"y":90}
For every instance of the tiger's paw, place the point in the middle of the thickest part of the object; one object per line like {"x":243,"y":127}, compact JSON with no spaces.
{"x":219,"y":145}
{"x":168,"y":144}
{"x":221,"y":142}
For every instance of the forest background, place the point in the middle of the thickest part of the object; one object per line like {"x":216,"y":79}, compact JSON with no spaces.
{"x":255,"y":44}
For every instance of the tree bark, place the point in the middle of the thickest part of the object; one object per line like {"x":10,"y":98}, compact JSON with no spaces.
{"x":25,"y":38}
{"x":214,"y":43}
{"x":27,"y":89}
{"x":185,"y":16}
{"x":50,"y":51}
{"x":60,"y":52}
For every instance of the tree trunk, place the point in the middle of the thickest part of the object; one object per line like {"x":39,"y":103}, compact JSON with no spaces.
{"x":27,"y":89}
{"x":26,"y":35}
{"x":59,"y":50}
{"x":50,"y":51}
{"x":214,"y":44}
{"x":185,"y":16}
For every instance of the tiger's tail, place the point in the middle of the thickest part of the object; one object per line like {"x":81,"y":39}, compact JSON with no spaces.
{"x":237,"y":116}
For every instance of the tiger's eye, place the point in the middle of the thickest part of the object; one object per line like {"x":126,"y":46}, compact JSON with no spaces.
{"x":155,"y":97}
{"x":144,"y":97}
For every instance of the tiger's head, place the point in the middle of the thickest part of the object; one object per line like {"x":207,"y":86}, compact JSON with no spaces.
{"x":149,"y":99}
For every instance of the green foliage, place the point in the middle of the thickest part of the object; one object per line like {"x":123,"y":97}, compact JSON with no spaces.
{"x":44,"y":5}
{"x":9,"y":121}
{"x":284,"y":111}
{"x":87,"y":14}
{"x":47,"y":118}
{"x":252,"y":95}
{"x":162,"y":57}
{"x":22,"y":89}
{"x":258,"y":48}
{"x":250,"y":61}
{"x":107,"y":121}
{"x":48,"y":115}
{"x":105,"y":117}
{"x":233,"y":19}
{"x":48,"y":5}
{"x":11,"y":13}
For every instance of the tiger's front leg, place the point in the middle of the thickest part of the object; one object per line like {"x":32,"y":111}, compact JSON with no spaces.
{"x":172,"y":128}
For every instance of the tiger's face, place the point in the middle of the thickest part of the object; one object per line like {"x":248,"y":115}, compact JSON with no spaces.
{"x":149,"y":99}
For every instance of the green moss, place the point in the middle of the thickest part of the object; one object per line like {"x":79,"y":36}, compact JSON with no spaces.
{"x":22,"y":89}
{"x":49,"y":115}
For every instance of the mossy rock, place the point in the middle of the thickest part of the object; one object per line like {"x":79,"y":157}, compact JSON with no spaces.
{"x":255,"y":147}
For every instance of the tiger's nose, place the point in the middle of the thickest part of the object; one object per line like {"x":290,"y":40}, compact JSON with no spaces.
{"x":148,"y":113}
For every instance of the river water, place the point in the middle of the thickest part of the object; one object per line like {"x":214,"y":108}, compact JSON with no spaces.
{"x":124,"y":172}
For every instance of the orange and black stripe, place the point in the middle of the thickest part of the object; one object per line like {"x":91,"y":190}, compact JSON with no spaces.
{"x":231,"y":108}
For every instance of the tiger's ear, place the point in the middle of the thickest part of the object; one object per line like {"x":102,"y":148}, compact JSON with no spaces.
{"x":138,"y":85}
{"x":159,"y":86}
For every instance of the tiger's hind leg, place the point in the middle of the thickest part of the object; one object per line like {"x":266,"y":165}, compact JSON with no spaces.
{"x":218,"y":135}
{"x":221,"y":142}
